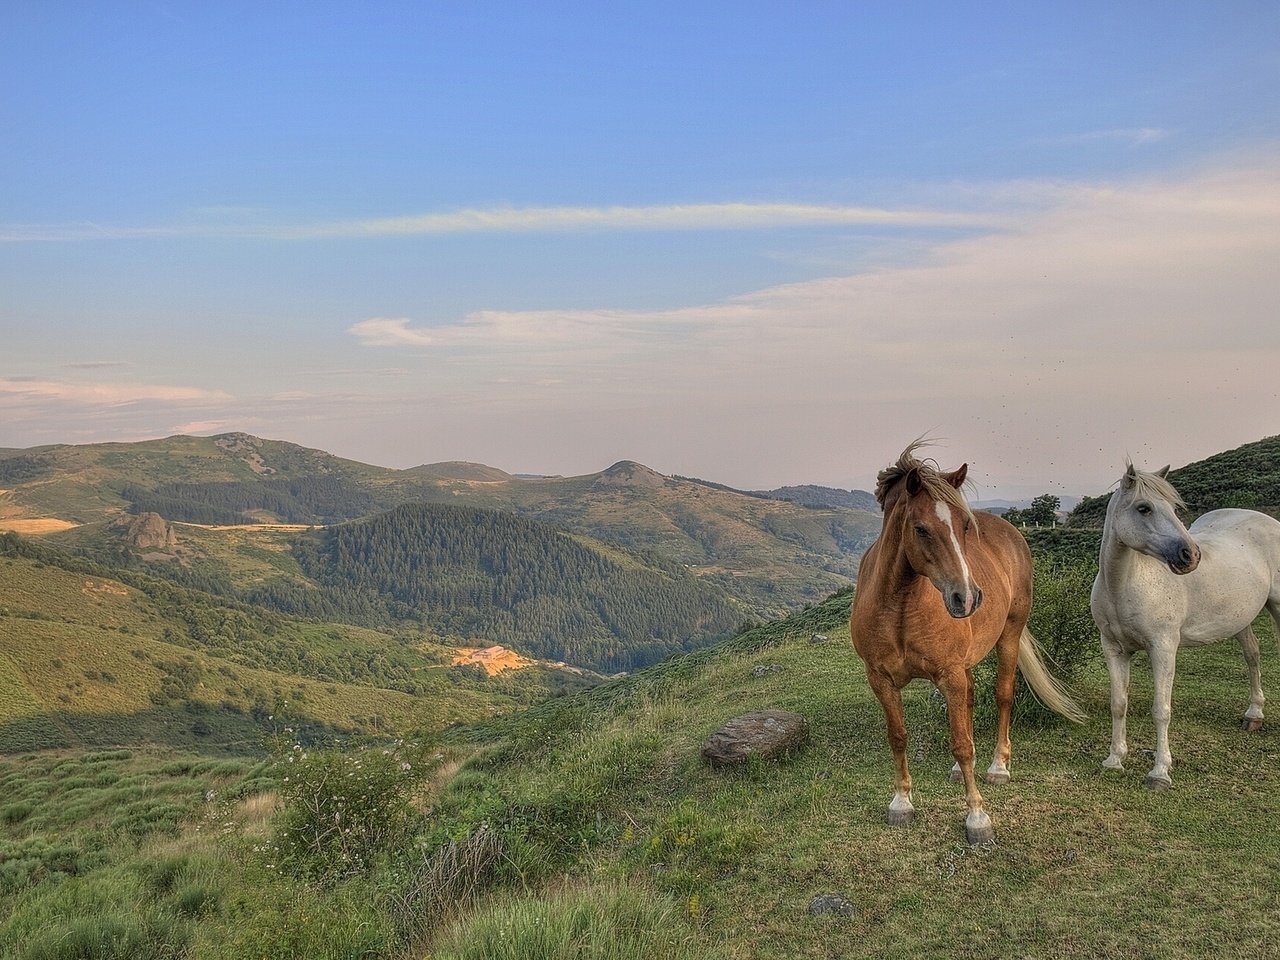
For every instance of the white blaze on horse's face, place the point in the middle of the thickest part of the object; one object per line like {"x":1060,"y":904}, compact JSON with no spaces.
{"x":1144,"y":521}
{"x":936,"y":537}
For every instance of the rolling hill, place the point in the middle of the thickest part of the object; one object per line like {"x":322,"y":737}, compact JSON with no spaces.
{"x":88,"y":659}
{"x":769,"y":555}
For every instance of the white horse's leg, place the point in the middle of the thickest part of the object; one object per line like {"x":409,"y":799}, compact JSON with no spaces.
{"x":1163,"y":658}
{"x":1118,"y":660}
{"x":1252,"y":658}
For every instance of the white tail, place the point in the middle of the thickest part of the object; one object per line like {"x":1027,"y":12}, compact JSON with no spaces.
{"x":1047,"y":690}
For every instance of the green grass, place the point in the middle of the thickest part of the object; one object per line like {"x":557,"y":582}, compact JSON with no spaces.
{"x":1086,"y":863}
{"x":86,"y":660}
{"x":606,"y":836}
{"x":610,"y":922}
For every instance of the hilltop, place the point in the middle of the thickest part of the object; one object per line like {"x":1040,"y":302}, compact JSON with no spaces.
{"x":588,"y":817}
{"x":1248,"y":477}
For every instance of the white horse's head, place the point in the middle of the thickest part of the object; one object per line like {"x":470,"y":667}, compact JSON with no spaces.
{"x":1143,"y":516}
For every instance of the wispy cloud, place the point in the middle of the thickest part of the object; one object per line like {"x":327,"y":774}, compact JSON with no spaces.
{"x":694,"y":216}
{"x":1136,"y":136}
{"x":98,"y":364}
{"x":104,"y":394}
{"x":1126,"y":315}
{"x":389,"y":332}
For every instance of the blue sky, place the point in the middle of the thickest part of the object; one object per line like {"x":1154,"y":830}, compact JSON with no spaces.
{"x":760,"y":243}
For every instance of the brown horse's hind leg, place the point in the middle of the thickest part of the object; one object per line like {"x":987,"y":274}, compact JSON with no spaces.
{"x":1006,"y":677}
{"x":957,"y":686}
{"x":901,"y":810}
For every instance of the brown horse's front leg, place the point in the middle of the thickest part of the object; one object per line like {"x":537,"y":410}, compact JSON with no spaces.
{"x":901,"y":809}
{"x":957,"y":687}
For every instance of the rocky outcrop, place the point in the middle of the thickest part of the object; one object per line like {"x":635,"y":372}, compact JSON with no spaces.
{"x":765,"y":734}
{"x":147,"y":531}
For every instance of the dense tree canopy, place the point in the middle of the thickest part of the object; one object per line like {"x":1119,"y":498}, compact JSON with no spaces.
{"x":500,"y":578}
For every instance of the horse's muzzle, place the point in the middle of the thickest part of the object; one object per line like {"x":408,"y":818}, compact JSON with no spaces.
{"x":1183,"y":558}
{"x":958,"y":606}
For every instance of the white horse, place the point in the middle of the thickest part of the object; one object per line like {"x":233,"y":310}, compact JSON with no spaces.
{"x":1161,"y":586}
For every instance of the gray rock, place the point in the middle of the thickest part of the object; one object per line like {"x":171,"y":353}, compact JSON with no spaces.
{"x":818,"y":638}
{"x":760,"y":669}
{"x":831,"y":903}
{"x":765,"y":734}
{"x":147,"y":531}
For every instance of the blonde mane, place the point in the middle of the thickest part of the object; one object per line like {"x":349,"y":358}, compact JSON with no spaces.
{"x":1152,"y":486}
{"x":929,"y":475}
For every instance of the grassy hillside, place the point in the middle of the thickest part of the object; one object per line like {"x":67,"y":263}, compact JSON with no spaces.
{"x":84,"y":483}
{"x":1248,"y":477}
{"x":590,"y":825}
{"x":88,"y":660}
{"x":1085,"y":864}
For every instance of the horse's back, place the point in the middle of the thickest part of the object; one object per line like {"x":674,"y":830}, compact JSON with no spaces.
{"x":1257,"y":526}
{"x":1234,"y":537}
{"x":1239,"y":570}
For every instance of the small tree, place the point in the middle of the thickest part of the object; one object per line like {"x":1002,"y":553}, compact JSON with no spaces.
{"x":1043,"y":512}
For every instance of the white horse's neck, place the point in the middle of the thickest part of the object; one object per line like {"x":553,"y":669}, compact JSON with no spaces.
{"x":1119,"y":563}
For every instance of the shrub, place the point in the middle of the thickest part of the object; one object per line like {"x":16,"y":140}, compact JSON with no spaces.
{"x":1062,"y":624}
{"x":341,"y":811}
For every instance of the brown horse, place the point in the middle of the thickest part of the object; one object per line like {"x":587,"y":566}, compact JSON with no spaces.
{"x":931,"y":543}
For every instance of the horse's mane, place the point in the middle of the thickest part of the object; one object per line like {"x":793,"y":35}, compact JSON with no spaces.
{"x":1153,"y":486}
{"x":929,"y":475}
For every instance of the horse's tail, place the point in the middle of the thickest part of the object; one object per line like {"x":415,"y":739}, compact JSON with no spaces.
{"x":1047,"y":689}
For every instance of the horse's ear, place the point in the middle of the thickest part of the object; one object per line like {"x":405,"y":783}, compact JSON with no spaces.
{"x":1130,"y":475}
{"x":956,"y":478}
{"x":913,"y":482}
{"x":1163,"y":471}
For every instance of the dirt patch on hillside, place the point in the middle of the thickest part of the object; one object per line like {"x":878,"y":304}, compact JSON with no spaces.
{"x":36,"y":525}
{"x":494,"y":659}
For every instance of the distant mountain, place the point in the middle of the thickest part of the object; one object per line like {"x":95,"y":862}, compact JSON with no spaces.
{"x":460,"y":470}
{"x":772,"y":555}
{"x":810,"y":495}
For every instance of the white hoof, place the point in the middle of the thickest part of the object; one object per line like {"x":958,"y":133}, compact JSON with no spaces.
{"x":978,"y":828}
{"x":998,"y":774}
{"x":1113,"y":763}
{"x":901,"y":812}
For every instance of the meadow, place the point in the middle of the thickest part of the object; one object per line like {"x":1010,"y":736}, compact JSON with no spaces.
{"x":589,"y":826}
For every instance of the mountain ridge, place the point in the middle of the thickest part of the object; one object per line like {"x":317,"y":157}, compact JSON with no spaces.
{"x":771,"y":554}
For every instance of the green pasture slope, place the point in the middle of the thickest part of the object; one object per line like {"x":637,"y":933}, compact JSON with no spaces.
{"x":603,"y":829}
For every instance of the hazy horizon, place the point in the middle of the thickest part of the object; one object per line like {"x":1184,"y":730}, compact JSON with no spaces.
{"x":752,"y":245}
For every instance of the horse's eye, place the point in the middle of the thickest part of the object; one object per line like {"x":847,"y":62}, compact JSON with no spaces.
{"x":1144,"y":508}
{"x":922,"y":531}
